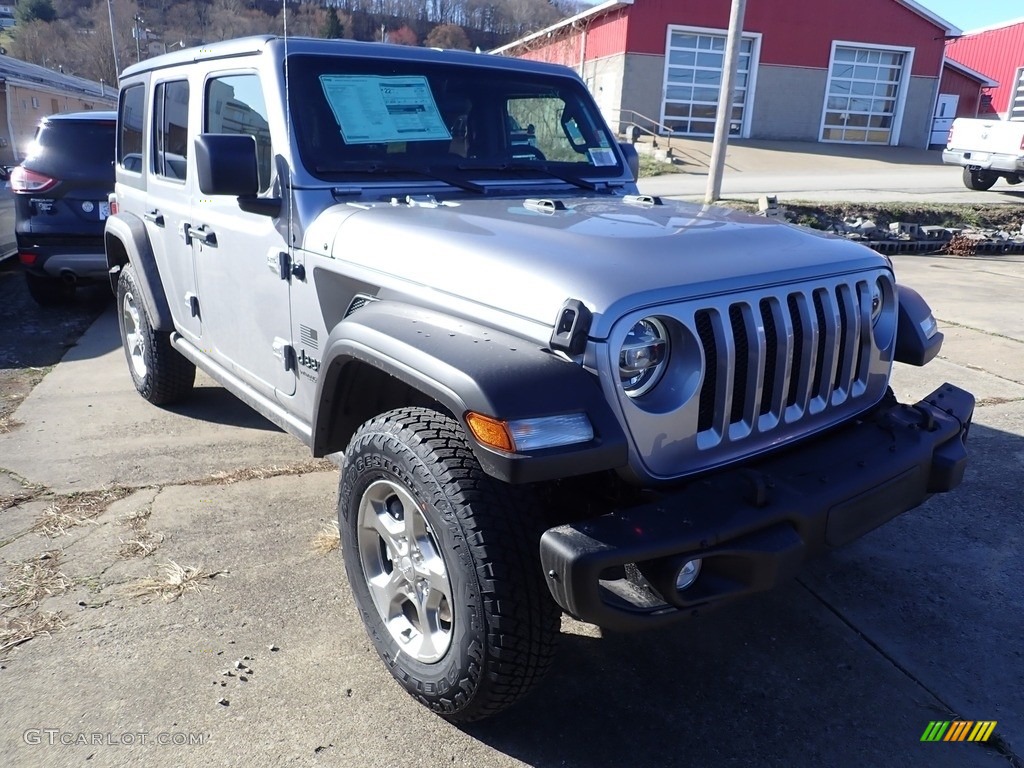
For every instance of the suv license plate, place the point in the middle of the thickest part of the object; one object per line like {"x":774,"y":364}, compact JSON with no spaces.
{"x":104,"y":211}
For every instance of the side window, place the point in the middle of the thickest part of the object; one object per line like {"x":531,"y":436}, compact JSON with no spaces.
{"x":555,"y":128}
{"x":536,"y":122}
{"x":129,"y":119}
{"x":170,"y":130}
{"x":234,"y":104}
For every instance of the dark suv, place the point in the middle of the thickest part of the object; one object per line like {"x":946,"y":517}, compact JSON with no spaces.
{"x":61,"y":205}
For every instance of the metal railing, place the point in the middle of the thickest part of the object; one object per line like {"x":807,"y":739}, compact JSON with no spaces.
{"x":629,"y":120}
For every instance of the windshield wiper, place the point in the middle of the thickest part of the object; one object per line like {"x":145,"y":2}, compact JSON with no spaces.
{"x":568,"y":178}
{"x":360,"y":166}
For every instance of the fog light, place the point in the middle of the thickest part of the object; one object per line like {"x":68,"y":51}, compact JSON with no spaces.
{"x":686,"y":575}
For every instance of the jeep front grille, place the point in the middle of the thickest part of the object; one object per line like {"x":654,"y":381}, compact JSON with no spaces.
{"x":777,"y":364}
{"x":778,"y":357}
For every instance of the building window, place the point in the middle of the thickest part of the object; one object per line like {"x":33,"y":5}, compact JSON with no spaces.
{"x":35,"y":103}
{"x":1016,"y":106}
{"x":693,"y":75}
{"x":863,"y":101}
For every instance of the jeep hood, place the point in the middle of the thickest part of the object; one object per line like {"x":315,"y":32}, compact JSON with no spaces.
{"x":613,"y":255}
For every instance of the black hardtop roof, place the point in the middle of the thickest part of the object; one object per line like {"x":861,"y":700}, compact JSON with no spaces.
{"x":263,"y":44}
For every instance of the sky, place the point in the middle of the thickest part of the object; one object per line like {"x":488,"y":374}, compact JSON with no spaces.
{"x":971,"y":14}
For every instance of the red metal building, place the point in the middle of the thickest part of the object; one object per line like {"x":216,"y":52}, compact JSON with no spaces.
{"x":998,"y":52}
{"x":820,"y":70}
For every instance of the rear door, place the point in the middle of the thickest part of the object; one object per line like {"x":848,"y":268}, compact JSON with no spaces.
{"x":168,"y":200}
{"x":244,"y":300}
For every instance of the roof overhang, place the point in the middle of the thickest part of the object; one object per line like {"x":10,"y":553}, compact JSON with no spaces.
{"x":934,"y":18}
{"x":963,"y":69}
{"x":587,"y":15}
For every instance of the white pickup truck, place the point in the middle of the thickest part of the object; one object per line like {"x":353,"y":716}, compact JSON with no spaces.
{"x":987,"y":150}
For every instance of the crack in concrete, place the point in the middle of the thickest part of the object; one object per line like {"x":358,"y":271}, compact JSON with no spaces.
{"x":980,"y":330}
{"x":995,"y":743}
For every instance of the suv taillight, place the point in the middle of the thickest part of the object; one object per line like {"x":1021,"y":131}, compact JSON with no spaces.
{"x":24,"y":180}
{"x":949,"y":138}
{"x":112,"y":200}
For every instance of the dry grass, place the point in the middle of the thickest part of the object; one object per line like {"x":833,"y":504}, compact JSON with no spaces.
{"x":173,"y":582}
{"x":262,"y":473}
{"x":15,"y":630}
{"x":8,"y":424}
{"x":28,"y":583}
{"x":143,"y":542}
{"x":14,"y":499}
{"x":74,"y":509}
{"x":27,"y":493}
{"x":327,"y":539}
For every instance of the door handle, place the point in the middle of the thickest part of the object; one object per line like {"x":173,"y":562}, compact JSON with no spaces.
{"x":154,"y":216}
{"x":203,"y":234}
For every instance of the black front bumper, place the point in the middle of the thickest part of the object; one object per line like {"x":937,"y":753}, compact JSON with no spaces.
{"x":754,"y":526}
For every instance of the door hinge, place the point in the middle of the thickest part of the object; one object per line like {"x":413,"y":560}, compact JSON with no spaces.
{"x":290,"y":361}
{"x":193,"y":304}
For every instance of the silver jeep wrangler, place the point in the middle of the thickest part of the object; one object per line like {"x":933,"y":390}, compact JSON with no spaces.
{"x":551,"y":393}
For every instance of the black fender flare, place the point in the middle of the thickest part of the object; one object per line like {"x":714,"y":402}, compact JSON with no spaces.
{"x":913,"y":345}
{"x":468,"y":367}
{"x":129,"y":231}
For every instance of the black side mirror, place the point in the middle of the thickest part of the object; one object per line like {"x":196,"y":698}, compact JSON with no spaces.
{"x":227,"y":165}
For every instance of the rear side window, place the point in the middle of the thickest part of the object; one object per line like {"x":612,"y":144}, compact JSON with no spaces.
{"x":170,"y":130}
{"x":234,"y":104}
{"x":69,"y":149}
{"x":130,"y":118}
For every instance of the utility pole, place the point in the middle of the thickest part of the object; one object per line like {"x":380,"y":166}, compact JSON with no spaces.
{"x":113,"y":42}
{"x":725,"y":98}
{"x":138,"y":36}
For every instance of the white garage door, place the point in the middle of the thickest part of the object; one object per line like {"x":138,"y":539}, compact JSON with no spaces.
{"x":693,"y":75}
{"x":1016,"y":109}
{"x":863,"y":99}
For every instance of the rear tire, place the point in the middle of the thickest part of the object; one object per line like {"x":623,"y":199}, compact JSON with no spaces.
{"x":160,"y":373}
{"x":979,"y":180}
{"x":444,"y":566}
{"x":49,"y":291}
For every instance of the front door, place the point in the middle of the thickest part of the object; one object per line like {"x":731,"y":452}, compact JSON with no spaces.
{"x":244,"y":302}
{"x":945,"y":112}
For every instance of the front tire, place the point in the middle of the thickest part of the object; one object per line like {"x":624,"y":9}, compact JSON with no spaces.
{"x":160,"y":373}
{"x":979,"y":180}
{"x":444,"y":566}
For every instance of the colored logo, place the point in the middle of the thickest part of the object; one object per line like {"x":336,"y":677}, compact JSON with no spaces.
{"x":958,"y":730}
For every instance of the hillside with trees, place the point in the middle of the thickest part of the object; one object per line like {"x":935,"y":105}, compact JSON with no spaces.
{"x":75,"y":36}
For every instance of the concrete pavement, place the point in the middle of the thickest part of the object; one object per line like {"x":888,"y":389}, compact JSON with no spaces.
{"x":918,"y":621}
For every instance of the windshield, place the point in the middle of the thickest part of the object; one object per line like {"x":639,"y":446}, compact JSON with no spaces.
{"x":358,"y":117}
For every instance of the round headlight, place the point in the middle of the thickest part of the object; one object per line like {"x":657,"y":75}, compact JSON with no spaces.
{"x":643,"y":357}
{"x":877,"y":301}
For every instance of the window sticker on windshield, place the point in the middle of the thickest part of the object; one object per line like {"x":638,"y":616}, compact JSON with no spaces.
{"x":371,"y":109}
{"x":601,"y":156}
